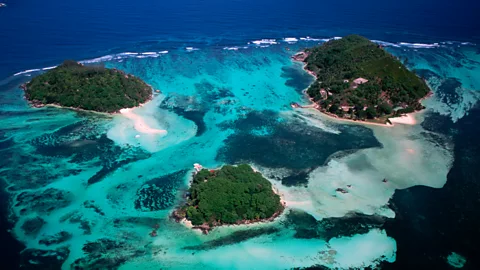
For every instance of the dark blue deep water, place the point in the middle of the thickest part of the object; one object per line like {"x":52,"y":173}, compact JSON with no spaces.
{"x":430,"y":223}
{"x":41,"y":33}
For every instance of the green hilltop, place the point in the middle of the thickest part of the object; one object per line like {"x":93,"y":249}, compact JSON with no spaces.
{"x":353,"y":74}
{"x":93,"y":88}
{"x":230,"y":195}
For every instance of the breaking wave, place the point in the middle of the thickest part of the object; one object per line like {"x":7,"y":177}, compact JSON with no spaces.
{"x":261,"y":43}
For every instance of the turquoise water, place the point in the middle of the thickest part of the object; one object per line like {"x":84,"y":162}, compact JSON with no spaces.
{"x":107,"y":185}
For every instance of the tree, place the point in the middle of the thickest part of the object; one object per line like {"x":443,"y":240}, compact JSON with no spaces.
{"x":88,"y":87}
{"x":361,"y":114}
{"x":230,"y":195}
{"x":385,"y":108}
{"x":333,"y":108}
{"x":371,"y":112}
{"x":353,"y":57}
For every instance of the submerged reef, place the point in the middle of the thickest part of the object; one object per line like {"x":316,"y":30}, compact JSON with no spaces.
{"x":47,"y":201}
{"x":91,"y":184}
{"x":159,"y":193}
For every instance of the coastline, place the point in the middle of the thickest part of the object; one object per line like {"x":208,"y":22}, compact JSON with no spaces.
{"x":37,"y":104}
{"x":139,"y":123}
{"x":405,"y":119}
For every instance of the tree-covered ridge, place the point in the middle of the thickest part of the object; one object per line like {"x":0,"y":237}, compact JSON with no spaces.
{"x":338,"y":63}
{"x":87,"y":87}
{"x":230,"y":195}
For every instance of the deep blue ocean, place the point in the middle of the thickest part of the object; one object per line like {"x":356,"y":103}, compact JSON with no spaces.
{"x":430,"y":224}
{"x":36,"y":34}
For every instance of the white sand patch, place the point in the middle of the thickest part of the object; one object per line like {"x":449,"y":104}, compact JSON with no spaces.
{"x":140,"y":124}
{"x":280,"y":251}
{"x":146,"y":127}
{"x":365,"y":181}
{"x":408,"y":119}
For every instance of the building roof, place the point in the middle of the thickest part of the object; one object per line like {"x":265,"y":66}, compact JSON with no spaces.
{"x":360,"y":81}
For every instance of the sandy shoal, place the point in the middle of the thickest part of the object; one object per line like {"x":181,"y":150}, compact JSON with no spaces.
{"x":139,"y":123}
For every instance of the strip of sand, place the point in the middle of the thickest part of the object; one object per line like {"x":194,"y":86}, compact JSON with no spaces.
{"x":407,"y":119}
{"x":139,"y":123}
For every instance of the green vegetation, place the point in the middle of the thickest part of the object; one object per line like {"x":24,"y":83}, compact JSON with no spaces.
{"x":337,"y":63}
{"x":87,"y":87}
{"x":230,"y":195}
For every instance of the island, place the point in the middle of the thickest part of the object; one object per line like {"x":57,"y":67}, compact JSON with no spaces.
{"x":229,"y":195}
{"x":92,"y":88}
{"x":357,"y":79}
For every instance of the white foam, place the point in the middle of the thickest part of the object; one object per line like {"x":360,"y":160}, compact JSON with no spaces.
{"x":48,"y":68}
{"x":26,"y":71}
{"x":419,"y":45}
{"x":98,"y":59}
{"x":290,"y":40}
{"x":149,"y":53}
{"x":127,"y":53}
{"x":385,"y":43}
{"x":190,"y":49}
{"x":163,"y":52}
{"x":310,"y":39}
{"x":265,"y":41}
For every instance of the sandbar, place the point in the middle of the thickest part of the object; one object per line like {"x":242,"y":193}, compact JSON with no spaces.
{"x":139,"y":123}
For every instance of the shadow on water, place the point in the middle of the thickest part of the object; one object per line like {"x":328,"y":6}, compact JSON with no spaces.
{"x":433,"y":223}
{"x":10,"y":247}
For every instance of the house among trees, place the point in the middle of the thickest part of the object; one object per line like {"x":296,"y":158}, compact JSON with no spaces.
{"x":323,"y":93}
{"x":359,"y":81}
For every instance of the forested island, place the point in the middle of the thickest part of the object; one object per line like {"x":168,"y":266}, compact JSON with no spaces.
{"x":94,"y":88}
{"x":230,"y":195}
{"x":357,"y":79}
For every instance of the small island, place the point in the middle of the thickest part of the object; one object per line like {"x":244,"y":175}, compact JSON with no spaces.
{"x":93,"y":88}
{"x":357,"y":79}
{"x":230,"y":195}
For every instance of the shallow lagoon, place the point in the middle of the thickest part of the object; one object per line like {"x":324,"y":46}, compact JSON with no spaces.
{"x":92,"y":177}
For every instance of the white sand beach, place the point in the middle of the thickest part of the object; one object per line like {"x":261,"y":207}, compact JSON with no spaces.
{"x":139,"y":123}
{"x":407,"y":119}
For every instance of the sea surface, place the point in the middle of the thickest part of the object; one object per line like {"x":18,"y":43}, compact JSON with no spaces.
{"x":84,"y":191}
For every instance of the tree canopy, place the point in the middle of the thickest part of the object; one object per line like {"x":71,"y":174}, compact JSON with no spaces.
{"x":337,"y":63}
{"x":87,"y":87}
{"x":230,"y":195}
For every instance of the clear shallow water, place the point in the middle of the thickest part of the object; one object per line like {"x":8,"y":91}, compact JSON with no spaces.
{"x":91,"y":176}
